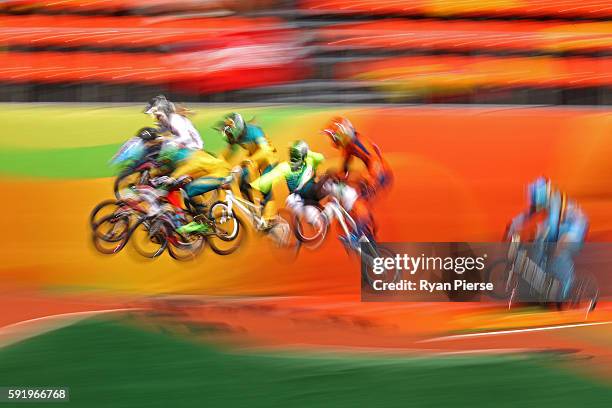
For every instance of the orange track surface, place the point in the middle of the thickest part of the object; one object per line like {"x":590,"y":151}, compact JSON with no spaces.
{"x":334,"y":323}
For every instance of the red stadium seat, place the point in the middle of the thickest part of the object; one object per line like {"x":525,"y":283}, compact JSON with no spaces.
{"x":147,"y":6}
{"x":207,"y":71}
{"x":72,"y":31}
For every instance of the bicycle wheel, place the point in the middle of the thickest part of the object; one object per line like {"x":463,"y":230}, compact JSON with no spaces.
{"x":584,"y":295}
{"x":210,"y":198}
{"x":185,"y":247}
{"x":111,"y":234}
{"x":227,"y":225}
{"x":311,"y":226}
{"x":102,"y":210}
{"x":147,"y":241}
{"x":369,"y":252}
{"x":499,"y":275}
{"x":124,"y":181}
{"x":282,"y":232}
{"x":229,"y":229}
{"x":221,"y":245}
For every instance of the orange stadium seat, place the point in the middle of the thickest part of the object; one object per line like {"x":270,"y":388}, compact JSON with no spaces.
{"x":469,"y":35}
{"x":466,"y":8}
{"x":459,"y":72}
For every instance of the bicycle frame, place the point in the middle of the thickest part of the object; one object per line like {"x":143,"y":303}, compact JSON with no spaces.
{"x":246,"y":207}
{"x":533,"y":272}
{"x":347,"y":223}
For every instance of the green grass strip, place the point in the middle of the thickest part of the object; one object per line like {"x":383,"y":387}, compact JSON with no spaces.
{"x":109,"y":364}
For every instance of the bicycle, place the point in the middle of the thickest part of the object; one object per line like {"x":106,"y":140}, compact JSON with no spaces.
{"x":159,"y":224}
{"x":519,"y":274}
{"x":140,"y":173}
{"x":110,"y":231}
{"x":162,"y":229}
{"x":319,"y":218}
{"x":278,"y":229}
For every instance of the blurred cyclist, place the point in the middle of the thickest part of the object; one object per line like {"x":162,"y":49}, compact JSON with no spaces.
{"x":304,"y":188}
{"x":565,"y":226}
{"x":143,"y":147}
{"x":300,"y":175}
{"x":180,"y":127}
{"x":352,"y":144}
{"x":199,"y":171}
{"x":141,"y":150}
{"x":260,"y":153}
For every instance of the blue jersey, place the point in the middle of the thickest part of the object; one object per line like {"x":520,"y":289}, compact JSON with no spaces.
{"x":565,"y":218}
{"x":253,"y":139}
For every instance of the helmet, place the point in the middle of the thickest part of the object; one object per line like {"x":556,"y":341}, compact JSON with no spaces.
{"x":233,"y":127}
{"x":297,"y":154}
{"x":340,"y":130}
{"x":147,"y":134}
{"x":160,"y":108}
{"x":539,"y":192}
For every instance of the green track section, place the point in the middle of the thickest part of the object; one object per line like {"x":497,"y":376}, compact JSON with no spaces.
{"x":69,"y":142}
{"x":69,"y":163}
{"x":110,"y":364}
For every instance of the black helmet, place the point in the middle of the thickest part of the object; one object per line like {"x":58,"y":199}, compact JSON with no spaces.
{"x":159,"y":106}
{"x":147,"y":134}
{"x":297,"y":154}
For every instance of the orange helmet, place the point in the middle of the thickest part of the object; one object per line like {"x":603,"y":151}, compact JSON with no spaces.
{"x":340,"y":130}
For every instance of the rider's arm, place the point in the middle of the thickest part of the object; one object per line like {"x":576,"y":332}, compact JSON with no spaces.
{"x":265,"y":182}
{"x":229,"y":151}
{"x":317,"y":158}
{"x":347,"y":157}
{"x":264,"y":151}
{"x":554,"y":217}
{"x":518,"y":221}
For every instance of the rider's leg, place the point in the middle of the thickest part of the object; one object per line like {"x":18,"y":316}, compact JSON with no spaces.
{"x":362,"y":215}
{"x":570,"y":242}
{"x":378,"y":179}
{"x":201,"y":186}
{"x":562,"y":268}
{"x":295,"y":203}
{"x":310,"y":195}
{"x":195,"y":188}
{"x":245,"y":188}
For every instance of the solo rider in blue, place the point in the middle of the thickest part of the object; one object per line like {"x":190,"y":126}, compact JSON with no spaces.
{"x":565,"y":226}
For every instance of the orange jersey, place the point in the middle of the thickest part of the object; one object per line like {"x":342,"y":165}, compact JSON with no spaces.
{"x":369,"y":153}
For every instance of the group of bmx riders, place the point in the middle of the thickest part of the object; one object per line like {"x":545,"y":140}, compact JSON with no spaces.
{"x":177,"y":142}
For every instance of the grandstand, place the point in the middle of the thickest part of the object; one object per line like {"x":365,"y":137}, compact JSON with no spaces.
{"x":341,"y":51}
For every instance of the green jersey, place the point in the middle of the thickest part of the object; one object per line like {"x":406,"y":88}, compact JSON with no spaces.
{"x":295,"y":179}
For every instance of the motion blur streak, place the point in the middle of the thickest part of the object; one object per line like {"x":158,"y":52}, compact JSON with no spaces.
{"x":462,"y":176}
